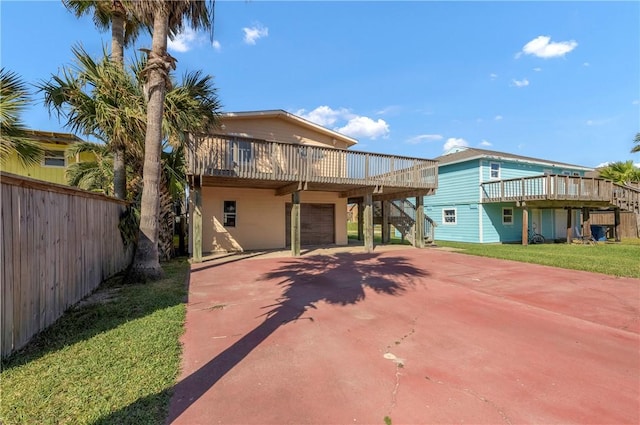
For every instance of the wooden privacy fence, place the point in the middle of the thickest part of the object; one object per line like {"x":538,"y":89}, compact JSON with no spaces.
{"x":628,"y":222}
{"x":58,"y":244}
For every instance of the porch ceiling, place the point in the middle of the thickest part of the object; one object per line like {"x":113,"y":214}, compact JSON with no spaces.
{"x":282,"y":187}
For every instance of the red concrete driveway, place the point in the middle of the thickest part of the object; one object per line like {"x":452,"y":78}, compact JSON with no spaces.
{"x":413,"y":336}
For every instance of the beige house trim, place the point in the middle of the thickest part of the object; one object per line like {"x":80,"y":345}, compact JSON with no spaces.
{"x":259,"y":162}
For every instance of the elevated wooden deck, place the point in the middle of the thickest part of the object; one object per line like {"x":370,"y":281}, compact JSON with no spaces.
{"x":230,"y":161}
{"x":555,"y":191}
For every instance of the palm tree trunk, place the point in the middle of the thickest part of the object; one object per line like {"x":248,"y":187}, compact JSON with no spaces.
{"x":146,"y":264}
{"x":117,"y":56}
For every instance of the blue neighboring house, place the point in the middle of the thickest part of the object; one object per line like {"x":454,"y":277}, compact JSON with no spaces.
{"x":480,"y":196}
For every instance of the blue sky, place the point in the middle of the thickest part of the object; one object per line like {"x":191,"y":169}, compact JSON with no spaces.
{"x":553,"y":80}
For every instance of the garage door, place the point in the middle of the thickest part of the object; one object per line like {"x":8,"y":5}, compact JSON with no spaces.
{"x":316,"y":224}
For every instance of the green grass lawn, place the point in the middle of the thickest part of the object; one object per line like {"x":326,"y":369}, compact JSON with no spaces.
{"x":617,"y":259}
{"x":110,"y":362}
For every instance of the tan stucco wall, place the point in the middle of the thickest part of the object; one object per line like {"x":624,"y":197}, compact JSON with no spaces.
{"x":260,"y":219}
{"x":277,"y":129}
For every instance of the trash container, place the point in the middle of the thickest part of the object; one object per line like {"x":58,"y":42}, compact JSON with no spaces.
{"x":599,"y":233}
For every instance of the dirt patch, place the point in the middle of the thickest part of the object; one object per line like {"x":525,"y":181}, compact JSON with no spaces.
{"x":99,"y":297}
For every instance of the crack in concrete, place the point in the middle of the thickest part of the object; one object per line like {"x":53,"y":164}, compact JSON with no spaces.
{"x":472,"y":393}
{"x":399,"y":363}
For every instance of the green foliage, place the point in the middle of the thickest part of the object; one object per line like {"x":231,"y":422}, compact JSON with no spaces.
{"x":612,"y":259}
{"x":636,"y":142}
{"x":14,"y":98}
{"x":128,"y":225}
{"x":621,"y":172}
{"x":113,"y":361}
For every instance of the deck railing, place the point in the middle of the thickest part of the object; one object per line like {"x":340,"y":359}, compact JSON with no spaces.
{"x":556,"y":187}
{"x":245,"y":158}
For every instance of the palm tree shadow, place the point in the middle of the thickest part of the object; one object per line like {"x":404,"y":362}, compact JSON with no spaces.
{"x":340,"y":279}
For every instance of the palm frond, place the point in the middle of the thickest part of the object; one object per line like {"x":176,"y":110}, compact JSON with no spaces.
{"x":14,"y":98}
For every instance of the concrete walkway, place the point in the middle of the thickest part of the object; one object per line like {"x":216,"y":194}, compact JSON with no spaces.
{"x":413,"y":336}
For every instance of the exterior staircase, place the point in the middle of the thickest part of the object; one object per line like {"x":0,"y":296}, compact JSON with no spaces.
{"x":402,"y":216}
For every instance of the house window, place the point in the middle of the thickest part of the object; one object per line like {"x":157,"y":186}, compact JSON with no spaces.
{"x":54,"y":159}
{"x":494,"y":170}
{"x":577,"y":174}
{"x":507,"y":216}
{"x":449,"y":216}
{"x":229,"y":216}
{"x":242,"y":152}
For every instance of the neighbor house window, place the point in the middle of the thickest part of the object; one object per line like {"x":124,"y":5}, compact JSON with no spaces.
{"x":507,"y":216}
{"x":494,"y":172}
{"x":449,"y":216}
{"x":229,"y":214}
{"x":54,"y":159}
{"x":577,"y":174}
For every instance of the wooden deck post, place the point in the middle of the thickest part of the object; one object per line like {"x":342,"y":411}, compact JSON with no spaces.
{"x":196,"y":225}
{"x":368,"y":223}
{"x":569,"y":228}
{"x":295,"y":224}
{"x":418,"y":240}
{"x":616,"y":224}
{"x":360,"y":220}
{"x":386,"y":231}
{"x":586,"y":221}
{"x":525,"y":226}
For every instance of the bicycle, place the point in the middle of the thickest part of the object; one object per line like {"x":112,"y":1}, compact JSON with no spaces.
{"x":534,"y":237}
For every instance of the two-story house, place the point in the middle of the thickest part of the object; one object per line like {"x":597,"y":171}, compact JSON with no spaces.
{"x":487,"y":196}
{"x":53,"y":166}
{"x":271,"y":179}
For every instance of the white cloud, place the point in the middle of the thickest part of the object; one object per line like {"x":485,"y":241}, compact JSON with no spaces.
{"x":543,"y":47}
{"x":636,"y":102}
{"x":254,"y":33}
{"x":353,"y":125}
{"x":184,"y":41}
{"x":324,"y":115}
{"x":393,"y":109}
{"x":453,"y":142}
{"x":424,"y":138}
{"x":598,"y":122}
{"x":216,"y":45}
{"x":365,"y":127}
{"x":586,"y":64}
{"x":603,"y":164}
{"x":485,"y":143}
{"x":537,"y":69}
{"x":493,"y":76}
{"x":498,"y":117}
{"x":520,"y":83}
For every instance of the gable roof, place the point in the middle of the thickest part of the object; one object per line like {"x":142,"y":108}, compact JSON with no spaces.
{"x":287,"y":116}
{"x":468,"y":154}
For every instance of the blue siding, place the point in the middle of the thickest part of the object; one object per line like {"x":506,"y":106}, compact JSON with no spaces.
{"x":459,"y":188}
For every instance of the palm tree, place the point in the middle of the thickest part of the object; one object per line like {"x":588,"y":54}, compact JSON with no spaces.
{"x":636,"y":141}
{"x":125,"y":28}
{"x":621,"y":172}
{"x":14,"y":97}
{"x":167,"y":18}
{"x":99,"y":99}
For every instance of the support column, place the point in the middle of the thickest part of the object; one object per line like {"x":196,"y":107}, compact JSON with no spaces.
{"x":569,"y":228}
{"x":196,"y":225}
{"x":525,"y":226}
{"x":616,"y":224}
{"x":586,"y":221}
{"x":368,"y":223}
{"x":360,"y":220}
{"x":295,"y":224}
{"x":386,"y":231}
{"x":418,"y":239}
